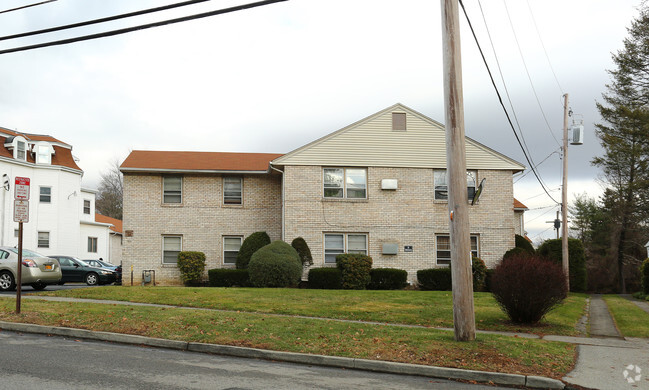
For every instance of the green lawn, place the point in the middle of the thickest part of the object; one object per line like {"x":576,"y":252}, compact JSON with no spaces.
{"x":629,"y":318}
{"x":426,"y":308}
{"x":315,"y":336}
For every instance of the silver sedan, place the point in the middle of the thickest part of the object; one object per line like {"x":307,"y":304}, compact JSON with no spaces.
{"x":37,"y":270}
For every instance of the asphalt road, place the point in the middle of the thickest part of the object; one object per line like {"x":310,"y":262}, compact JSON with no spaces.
{"x":35,"y":361}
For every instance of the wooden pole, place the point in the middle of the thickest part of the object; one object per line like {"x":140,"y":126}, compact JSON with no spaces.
{"x":458,"y":204}
{"x":564,"y":196}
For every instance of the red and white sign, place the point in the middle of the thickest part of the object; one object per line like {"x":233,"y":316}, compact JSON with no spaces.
{"x":21,"y":190}
{"x":21,"y":211}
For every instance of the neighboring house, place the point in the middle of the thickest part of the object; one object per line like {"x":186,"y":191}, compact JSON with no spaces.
{"x":115,"y":239}
{"x":378,"y":187}
{"x":519,"y":218}
{"x":61,"y":212}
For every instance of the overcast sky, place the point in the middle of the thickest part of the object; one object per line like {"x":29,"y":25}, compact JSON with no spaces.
{"x":274,"y":78}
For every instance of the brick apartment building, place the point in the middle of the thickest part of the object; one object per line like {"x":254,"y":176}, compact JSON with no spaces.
{"x":377,"y":186}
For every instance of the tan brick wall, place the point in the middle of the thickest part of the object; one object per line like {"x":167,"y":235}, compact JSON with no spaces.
{"x":201,"y":219}
{"x":407,"y":216}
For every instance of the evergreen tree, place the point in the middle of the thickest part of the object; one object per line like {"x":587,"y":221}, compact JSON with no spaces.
{"x":624,"y":135}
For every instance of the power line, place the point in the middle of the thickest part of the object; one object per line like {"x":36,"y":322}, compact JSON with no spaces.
{"x":26,"y":6}
{"x":543,"y":45}
{"x":141,"y":27}
{"x":537,"y":165}
{"x":502,"y":104}
{"x":102,"y":20}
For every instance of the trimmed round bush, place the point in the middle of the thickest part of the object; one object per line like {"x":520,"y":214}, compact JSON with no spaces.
{"x":249,"y":246}
{"x":644,"y":275}
{"x":435,"y":279}
{"x":387,"y":279}
{"x":275,"y":265}
{"x":191,"y":266}
{"x":227,"y":277}
{"x":527,"y":287}
{"x":300,"y":245}
{"x":325,"y":278}
{"x":355,"y":268}
{"x":479,"y":270}
{"x":515,"y":252}
{"x":576,"y":264}
{"x":522,"y":242}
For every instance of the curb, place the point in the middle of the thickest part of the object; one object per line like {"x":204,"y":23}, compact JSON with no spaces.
{"x":293,"y":357}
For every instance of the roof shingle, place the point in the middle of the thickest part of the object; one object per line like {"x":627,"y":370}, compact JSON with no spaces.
{"x":197,"y":161}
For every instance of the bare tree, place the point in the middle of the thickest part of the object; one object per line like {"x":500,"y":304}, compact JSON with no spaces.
{"x":111,"y":190}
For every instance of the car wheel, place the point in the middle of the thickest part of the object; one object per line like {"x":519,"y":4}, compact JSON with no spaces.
{"x":7,"y":281}
{"x":39,"y":286}
{"x":92,"y":279}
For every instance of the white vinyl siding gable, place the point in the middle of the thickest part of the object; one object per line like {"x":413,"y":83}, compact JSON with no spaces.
{"x":372,"y":142}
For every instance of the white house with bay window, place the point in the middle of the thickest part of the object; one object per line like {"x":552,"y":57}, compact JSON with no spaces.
{"x":61,"y":212}
{"x":377,"y":186}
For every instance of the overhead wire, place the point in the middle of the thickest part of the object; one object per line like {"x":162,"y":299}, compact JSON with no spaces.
{"x":27,"y":6}
{"x":141,"y":27}
{"x":503,"y":105}
{"x":543,"y":45}
{"x":537,"y":165}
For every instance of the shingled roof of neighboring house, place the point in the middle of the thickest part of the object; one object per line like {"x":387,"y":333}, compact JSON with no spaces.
{"x":117,"y":223}
{"x":62,"y":152}
{"x":519,"y":206}
{"x":168,"y":161}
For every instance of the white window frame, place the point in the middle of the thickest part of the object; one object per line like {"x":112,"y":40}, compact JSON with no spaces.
{"x":41,"y":195}
{"x":170,"y":236}
{"x":440,"y":184}
{"x":345,"y":249}
{"x":232,"y":199}
{"x":93,"y":244}
{"x":345,"y":186}
{"x":43,"y":240}
{"x":43,"y":154}
{"x":86,"y":210}
{"x":446,"y":260}
{"x":172,"y":193}
{"x":21,"y":152}
{"x":240,"y":238}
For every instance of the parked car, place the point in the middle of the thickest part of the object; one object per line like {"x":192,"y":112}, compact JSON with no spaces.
{"x":37,"y":270}
{"x":76,"y":270}
{"x":107,"y":265}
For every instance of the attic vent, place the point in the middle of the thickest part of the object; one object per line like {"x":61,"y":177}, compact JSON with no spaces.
{"x":398,"y":121}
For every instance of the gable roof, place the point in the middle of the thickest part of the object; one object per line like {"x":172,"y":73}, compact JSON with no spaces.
{"x":372,"y":142}
{"x":117,"y":223}
{"x":62,"y":152}
{"x":205,"y":162}
{"x":519,"y":206}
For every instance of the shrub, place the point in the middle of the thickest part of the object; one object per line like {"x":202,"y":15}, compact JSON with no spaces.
{"x":227,"y":277}
{"x":249,"y":246}
{"x":577,"y":260}
{"x":325,"y":278}
{"x":437,"y":279}
{"x":191,"y":266}
{"x":523,"y":243}
{"x":644,"y":275}
{"x":488,"y":276}
{"x":355,"y":268}
{"x":515,"y":252}
{"x":479,"y":270}
{"x":303,"y":251}
{"x":275,"y":265}
{"x":387,"y":279}
{"x":528,"y":287}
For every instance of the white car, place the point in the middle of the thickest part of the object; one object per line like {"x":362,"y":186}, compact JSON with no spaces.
{"x":37,"y":270}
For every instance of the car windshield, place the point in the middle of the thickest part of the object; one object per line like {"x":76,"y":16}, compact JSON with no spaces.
{"x":27,"y":253}
{"x":106,"y":264}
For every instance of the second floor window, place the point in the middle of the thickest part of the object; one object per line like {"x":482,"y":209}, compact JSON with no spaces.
{"x":21,"y":150}
{"x":232,"y":190}
{"x":86,"y":206}
{"x":350,"y":183}
{"x":441,"y":184}
{"x":172,"y":189}
{"x":45,"y":195}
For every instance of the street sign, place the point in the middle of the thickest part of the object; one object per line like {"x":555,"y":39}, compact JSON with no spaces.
{"x":21,"y":189}
{"x":21,"y":211}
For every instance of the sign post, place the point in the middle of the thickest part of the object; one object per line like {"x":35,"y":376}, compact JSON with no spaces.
{"x":21,"y":214}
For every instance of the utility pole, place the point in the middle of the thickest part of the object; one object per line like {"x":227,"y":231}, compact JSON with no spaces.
{"x":564,"y":195}
{"x":458,"y":204}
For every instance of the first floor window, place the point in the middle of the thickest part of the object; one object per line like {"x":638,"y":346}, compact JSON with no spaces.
{"x":92,"y":244}
{"x":337,"y":243}
{"x":171,"y":247}
{"x":43,"y":239}
{"x":231,"y":246}
{"x":232,"y":190}
{"x":172,"y":189}
{"x":443,"y":248}
{"x":16,"y":232}
{"x":350,"y":183}
{"x":441,"y":184}
{"x":45,"y":195}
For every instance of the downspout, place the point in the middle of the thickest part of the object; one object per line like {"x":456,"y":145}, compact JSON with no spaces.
{"x":270,"y":164}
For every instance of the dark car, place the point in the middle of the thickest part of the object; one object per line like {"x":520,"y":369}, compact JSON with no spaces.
{"x":76,"y":270}
{"x":104,"y":264}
